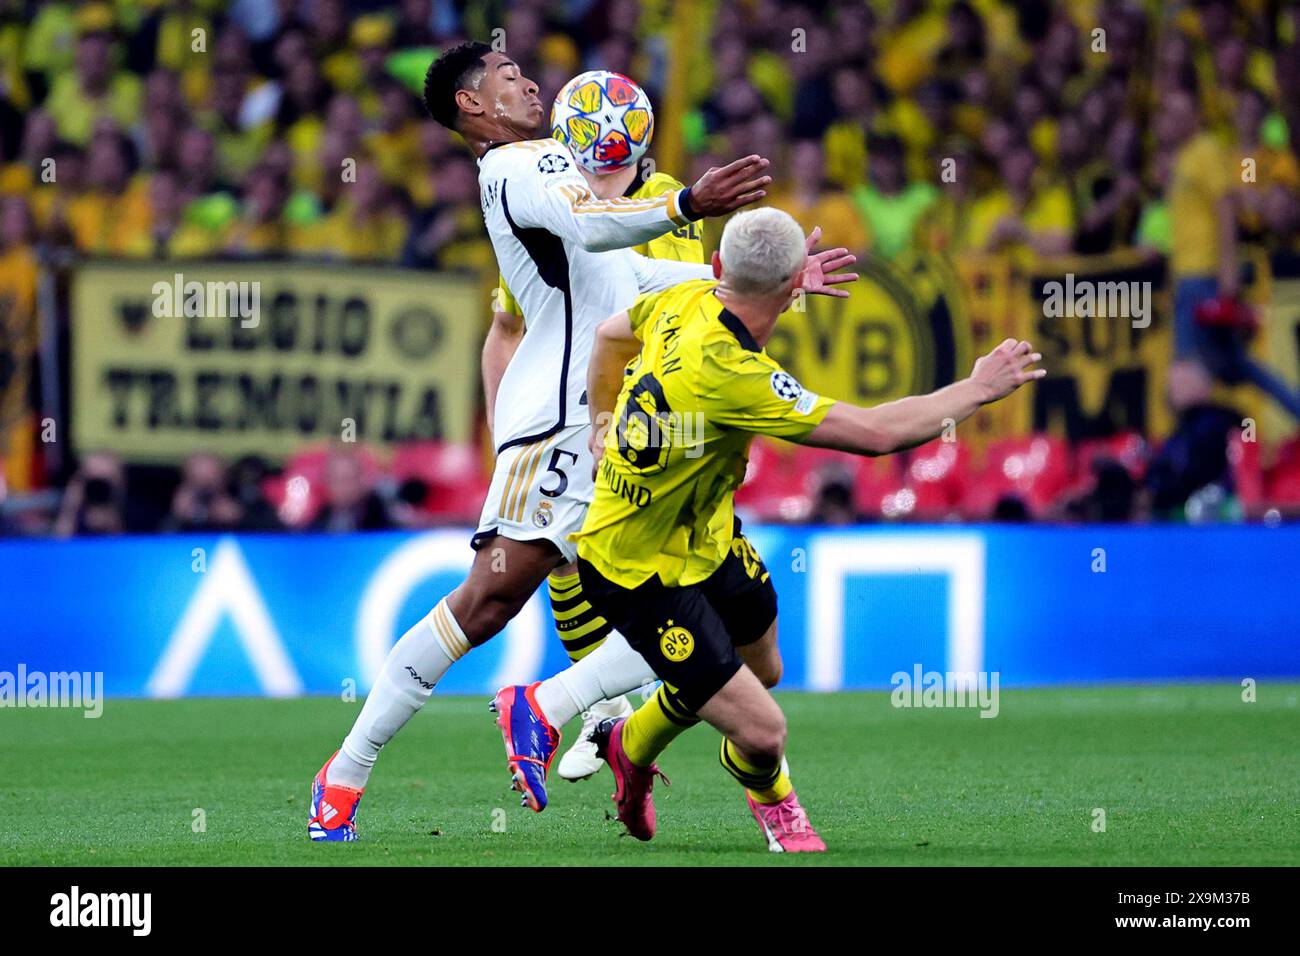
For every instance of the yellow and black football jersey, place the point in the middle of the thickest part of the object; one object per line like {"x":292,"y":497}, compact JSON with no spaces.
{"x":676,"y":451}
{"x":683,"y":244}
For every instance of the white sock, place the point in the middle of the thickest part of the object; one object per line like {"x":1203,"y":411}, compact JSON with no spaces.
{"x":607,"y":672}
{"x":414,"y":665}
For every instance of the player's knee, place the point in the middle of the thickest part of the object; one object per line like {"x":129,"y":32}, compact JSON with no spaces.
{"x":769,"y":670}
{"x":482,"y":614}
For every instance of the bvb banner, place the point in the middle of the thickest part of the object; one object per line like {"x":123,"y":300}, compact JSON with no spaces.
{"x":170,"y":359}
{"x":902,"y":331}
{"x":919,"y":322}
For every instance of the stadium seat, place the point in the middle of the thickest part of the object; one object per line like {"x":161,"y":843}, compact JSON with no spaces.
{"x":1247,"y":474}
{"x":781,"y":479}
{"x":1282,"y":481}
{"x":936,"y":476}
{"x":453,"y":473}
{"x":877,"y":486}
{"x":1037,"y":469}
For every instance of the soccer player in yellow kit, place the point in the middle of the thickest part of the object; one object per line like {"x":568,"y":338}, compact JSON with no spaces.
{"x":581,"y":629}
{"x":656,"y":553}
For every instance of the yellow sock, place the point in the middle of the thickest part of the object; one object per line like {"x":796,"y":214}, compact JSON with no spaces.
{"x":658,"y":722}
{"x":765,"y":784}
{"x":581,"y":629}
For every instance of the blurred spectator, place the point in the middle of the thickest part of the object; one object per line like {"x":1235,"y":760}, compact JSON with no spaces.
{"x":1270,"y":174}
{"x":166,"y":235}
{"x":367,"y":224}
{"x":96,"y":87}
{"x":201,"y":501}
{"x":833,"y":504}
{"x":448,"y":235}
{"x":18,"y":337}
{"x":114,"y":208}
{"x":890,"y":205}
{"x":244,"y":485}
{"x":1108,"y":192}
{"x":350,"y":503}
{"x":1196,"y":453}
{"x":1026,"y":216}
{"x":814,"y":201}
{"x":1203,"y":253}
{"x":1112,"y":497}
{"x":845,"y":139}
{"x":95,"y":501}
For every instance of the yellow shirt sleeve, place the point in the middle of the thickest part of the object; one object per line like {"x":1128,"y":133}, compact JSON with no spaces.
{"x":683,"y":244}
{"x":505,"y":298}
{"x":749,"y":391}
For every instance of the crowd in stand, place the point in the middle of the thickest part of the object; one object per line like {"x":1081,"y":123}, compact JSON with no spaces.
{"x":144,"y":129}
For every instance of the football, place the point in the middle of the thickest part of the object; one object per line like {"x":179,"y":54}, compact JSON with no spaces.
{"x":605,"y":119}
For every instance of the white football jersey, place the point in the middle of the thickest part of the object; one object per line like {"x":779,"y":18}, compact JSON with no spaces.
{"x":564,"y":255}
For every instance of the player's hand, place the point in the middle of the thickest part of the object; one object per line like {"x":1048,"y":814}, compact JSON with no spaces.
{"x":725,"y":188}
{"x":820,"y":269}
{"x":1005,"y":369}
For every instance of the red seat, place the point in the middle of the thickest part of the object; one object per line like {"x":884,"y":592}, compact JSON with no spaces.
{"x":1035,"y":468}
{"x":1247,"y":475}
{"x":877,"y":486}
{"x":781,"y":479}
{"x":936,"y":475}
{"x":453,"y":473}
{"x":1282,"y":481}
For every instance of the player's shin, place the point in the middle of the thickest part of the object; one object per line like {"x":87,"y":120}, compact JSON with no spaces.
{"x":581,"y":628}
{"x":658,"y":723}
{"x":607,"y":672}
{"x":414,"y":665}
{"x":766,"y":784}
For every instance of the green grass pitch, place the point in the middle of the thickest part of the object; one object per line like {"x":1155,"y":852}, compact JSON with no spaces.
{"x":1185,"y":774}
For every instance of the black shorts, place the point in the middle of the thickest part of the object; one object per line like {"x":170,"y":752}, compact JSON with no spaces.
{"x":689,"y":635}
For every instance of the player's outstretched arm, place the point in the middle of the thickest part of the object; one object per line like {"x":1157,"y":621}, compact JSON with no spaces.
{"x":908,"y":422}
{"x":547,"y":192}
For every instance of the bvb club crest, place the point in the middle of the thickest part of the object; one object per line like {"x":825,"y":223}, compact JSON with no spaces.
{"x":675,"y":643}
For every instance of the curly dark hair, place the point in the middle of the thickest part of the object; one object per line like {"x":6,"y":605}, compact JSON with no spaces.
{"x":451,"y":72}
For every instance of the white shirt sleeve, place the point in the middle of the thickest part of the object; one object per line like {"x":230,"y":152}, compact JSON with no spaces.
{"x":544,"y":190}
{"x":655,"y":274}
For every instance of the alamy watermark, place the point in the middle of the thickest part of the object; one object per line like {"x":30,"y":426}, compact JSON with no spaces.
{"x":73,"y":689}
{"x":647,"y":436}
{"x":1085,"y":299}
{"x":975,"y":689}
{"x":74,"y":909}
{"x":208,"y":300}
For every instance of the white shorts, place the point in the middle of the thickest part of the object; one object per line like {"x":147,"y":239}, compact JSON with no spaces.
{"x":540,"y":491}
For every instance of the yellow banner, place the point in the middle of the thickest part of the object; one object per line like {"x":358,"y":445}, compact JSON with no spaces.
{"x":1281,"y":350}
{"x":169,"y":359}
{"x":1103,"y":323}
{"x":902,"y":331}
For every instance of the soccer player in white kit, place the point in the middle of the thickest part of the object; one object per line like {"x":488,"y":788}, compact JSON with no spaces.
{"x":564,"y":254}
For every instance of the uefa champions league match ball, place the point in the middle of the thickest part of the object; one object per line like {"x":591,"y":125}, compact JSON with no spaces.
{"x":605,"y":119}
